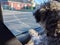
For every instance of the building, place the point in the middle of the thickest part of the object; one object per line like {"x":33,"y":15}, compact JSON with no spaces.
{"x":17,"y":4}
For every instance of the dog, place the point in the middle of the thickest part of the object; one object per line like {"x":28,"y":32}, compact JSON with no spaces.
{"x":49,"y":18}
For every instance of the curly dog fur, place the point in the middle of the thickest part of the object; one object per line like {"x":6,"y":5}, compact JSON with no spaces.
{"x":50,"y":17}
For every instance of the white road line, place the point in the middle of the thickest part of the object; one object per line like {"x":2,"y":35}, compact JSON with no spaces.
{"x":15,"y":20}
{"x":11,"y":20}
{"x":21,"y":21}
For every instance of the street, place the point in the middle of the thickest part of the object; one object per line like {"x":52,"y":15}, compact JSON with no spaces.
{"x":19,"y":22}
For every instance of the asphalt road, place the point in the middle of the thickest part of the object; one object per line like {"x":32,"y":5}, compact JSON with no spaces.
{"x":19,"y":22}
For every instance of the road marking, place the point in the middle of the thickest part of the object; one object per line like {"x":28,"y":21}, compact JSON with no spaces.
{"x":21,"y":21}
{"x":11,"y":20}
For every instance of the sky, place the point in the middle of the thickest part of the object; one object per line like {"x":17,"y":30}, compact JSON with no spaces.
{"x":40,"y":1}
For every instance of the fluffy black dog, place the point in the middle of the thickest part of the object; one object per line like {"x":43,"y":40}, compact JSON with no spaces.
{"x":50,"y":18}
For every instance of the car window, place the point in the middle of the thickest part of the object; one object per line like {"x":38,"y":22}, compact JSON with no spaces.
{"x":18,"y":16}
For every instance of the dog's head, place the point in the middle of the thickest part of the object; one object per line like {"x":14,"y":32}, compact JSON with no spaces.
{"x":49,"y":18}
{"x":39,"y":15}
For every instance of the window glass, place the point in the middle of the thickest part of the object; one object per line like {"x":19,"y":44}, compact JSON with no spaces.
{"x":18,"y":15}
